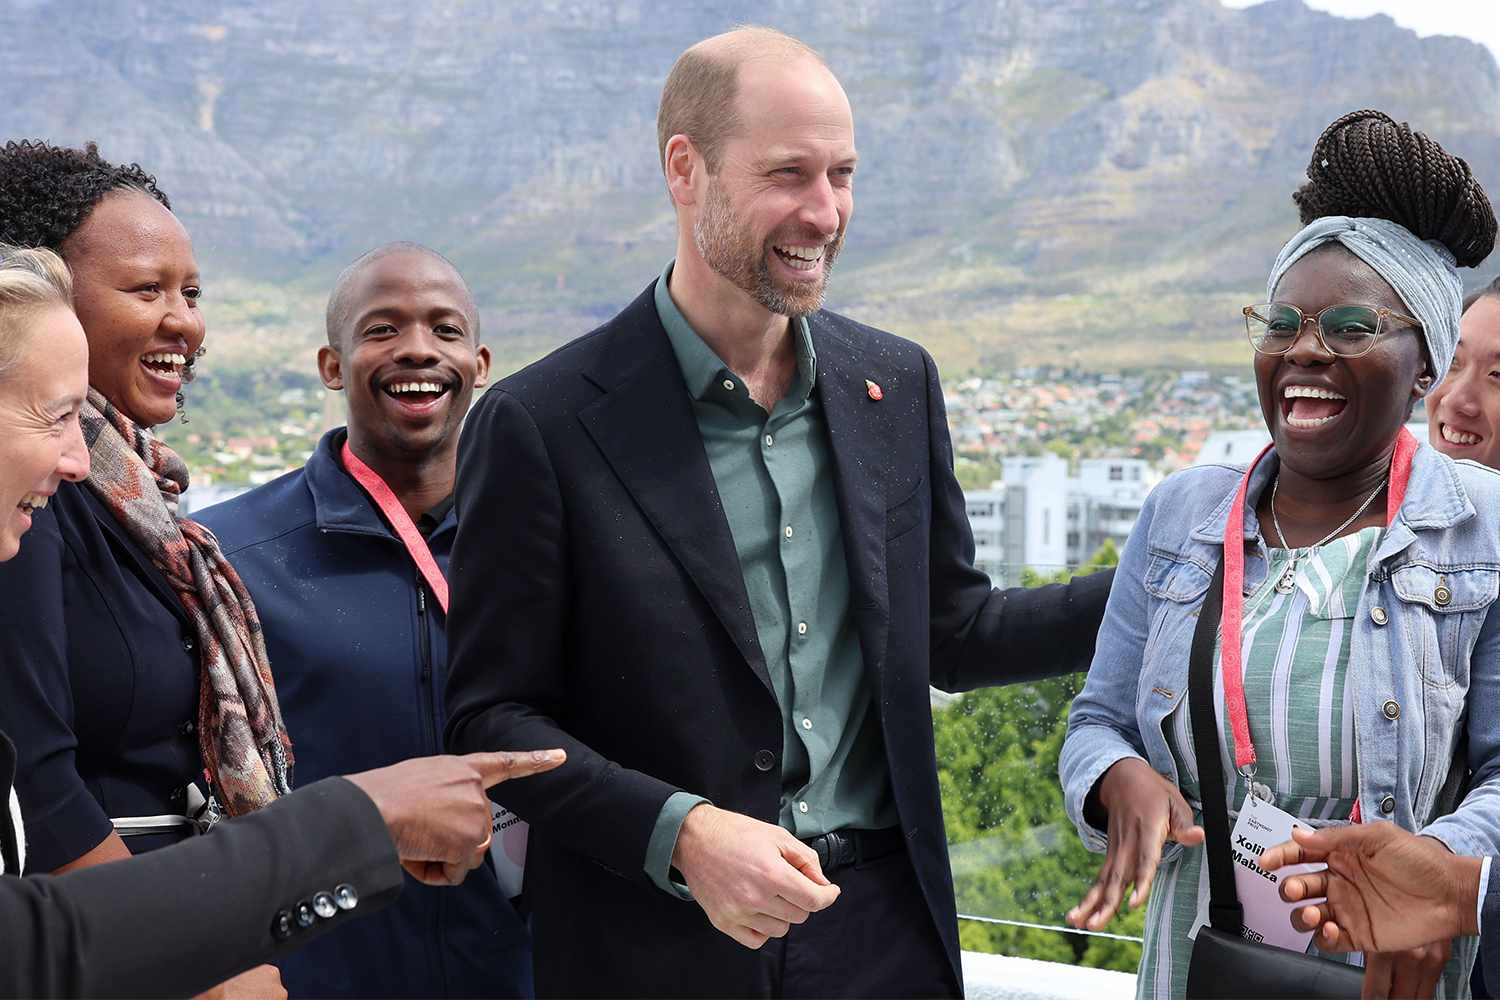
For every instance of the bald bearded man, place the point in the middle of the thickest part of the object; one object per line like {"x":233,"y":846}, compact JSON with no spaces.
{"x":716,"y":550}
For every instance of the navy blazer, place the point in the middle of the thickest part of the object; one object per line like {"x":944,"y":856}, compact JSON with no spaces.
{"x":598,"y":606}
{"x":358,"y":650}
{"x":100,"y":685}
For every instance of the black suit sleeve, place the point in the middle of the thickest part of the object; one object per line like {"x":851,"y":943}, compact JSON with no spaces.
{"x":177,"y":921}
{"x":508,"y":639}
{"x":982,"y":635}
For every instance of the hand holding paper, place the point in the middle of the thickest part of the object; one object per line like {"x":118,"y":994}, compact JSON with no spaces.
{"x":1386,"y":889}
{"x":1259,"y":825}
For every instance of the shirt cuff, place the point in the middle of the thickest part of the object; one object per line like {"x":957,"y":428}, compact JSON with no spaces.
{"x":664,"y":841}
{"x":1484,"y":884}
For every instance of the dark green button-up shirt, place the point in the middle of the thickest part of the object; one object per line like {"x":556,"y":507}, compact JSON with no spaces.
{"x":774,"y":474}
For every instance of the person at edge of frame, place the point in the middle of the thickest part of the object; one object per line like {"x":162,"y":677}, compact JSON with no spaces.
{"x":1463,"y":421}
{"x":136,"y":688}
{"x":282,"y":876}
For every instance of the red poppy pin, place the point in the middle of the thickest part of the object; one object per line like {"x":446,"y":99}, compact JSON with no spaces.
{"x":873,"y":388}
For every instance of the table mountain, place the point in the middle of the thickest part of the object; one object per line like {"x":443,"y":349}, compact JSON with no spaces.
{"x":1102,"y":181}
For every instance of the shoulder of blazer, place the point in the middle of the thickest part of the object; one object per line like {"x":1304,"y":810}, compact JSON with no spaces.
{"x":581,"y":369}
{"x":889,"y":347}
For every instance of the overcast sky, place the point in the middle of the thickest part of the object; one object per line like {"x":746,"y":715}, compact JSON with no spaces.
{"x":1476,"y":19}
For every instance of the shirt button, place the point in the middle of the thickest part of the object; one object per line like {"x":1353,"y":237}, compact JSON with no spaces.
{"x":1442,"y":596}
{"x":788,"y":531}
{"x":802,"y":807}
{"x":764,"y":760}
{"x":729,"y":384}
{"x":770,"y":440}
{"x":806,"y":723}
{"x":1388,"y":804}
{"x":324,"y":906}
{"x":802,"y":628}
{"x":1391,"y":709}
{"x":1377,"y":615}
{"x":344,"y":897}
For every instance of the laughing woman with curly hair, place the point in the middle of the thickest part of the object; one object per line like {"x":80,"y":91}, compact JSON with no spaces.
{"x":138,"y":686}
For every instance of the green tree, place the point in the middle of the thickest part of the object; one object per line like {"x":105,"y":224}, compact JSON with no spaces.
{"x":1015,"y":854}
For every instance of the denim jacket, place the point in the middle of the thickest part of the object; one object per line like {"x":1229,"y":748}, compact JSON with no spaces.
{"x":1424,"y":664}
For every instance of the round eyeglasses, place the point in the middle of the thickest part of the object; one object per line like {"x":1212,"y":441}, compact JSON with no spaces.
{"x":1346,"y":331}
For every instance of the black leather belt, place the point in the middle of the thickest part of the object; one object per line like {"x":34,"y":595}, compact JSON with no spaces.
{"x":843,"y":848}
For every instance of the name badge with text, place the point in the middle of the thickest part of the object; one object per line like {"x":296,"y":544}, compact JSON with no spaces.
{"x":1267,"y":915}
{"x":508,"y":836}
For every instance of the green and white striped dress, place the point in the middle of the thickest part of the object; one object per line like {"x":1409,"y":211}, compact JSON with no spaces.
{"x":1296,"y":662}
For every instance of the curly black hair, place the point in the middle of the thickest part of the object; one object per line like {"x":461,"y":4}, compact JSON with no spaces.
{"x":47,"y":191}
{"x":1367,"y":164}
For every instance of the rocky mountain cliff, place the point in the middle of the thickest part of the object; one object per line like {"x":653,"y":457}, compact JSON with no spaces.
{"x":1100,"y":180}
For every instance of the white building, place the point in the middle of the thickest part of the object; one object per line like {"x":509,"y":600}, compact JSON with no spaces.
{"x":1041,"y":516}
{"x":1240,"y":447}
{"x":198,"y":497}
{"x":1232,"y":447}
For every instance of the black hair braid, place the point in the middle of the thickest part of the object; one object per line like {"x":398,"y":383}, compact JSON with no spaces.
{"x":1425,"y":169}
{"x":47,"y":191}
{"x":1367,"y":164}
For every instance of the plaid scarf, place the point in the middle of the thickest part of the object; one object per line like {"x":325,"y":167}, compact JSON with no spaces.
{"x":244,"y":744}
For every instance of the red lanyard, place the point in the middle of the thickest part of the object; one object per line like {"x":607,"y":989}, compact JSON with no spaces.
{"x":416,"y":545}
{"x":1230,"y":656}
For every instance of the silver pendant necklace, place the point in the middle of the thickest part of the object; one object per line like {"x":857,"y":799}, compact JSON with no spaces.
{"x":1288,"y":579}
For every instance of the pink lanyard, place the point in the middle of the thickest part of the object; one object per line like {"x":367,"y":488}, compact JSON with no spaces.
{"x":416,"y":545}
{"x":1230,"y":655}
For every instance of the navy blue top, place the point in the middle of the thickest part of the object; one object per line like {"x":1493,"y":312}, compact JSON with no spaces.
{"x":358,"y":649}
{"x":99,"y":688}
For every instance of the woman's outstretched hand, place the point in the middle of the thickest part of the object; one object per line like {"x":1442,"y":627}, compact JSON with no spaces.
{"x":1145,"y":811}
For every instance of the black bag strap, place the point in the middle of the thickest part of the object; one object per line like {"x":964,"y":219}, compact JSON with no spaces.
{"x":1224,"y":910}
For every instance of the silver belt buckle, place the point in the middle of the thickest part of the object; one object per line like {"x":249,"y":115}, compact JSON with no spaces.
{"x":203,"y":812}
{"x":199,"y":817}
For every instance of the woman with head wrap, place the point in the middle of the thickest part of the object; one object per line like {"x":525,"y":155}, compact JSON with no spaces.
{"x":136,"y":665}
{"x":1357,"y":669}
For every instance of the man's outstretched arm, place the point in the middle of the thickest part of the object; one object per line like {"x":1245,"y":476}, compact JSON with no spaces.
{"x":174,"y":922}
{"x":982,"y":635}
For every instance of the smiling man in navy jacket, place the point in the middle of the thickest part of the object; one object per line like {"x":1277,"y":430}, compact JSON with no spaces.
{"x":354,"y":629}
{"x":715,"y":550}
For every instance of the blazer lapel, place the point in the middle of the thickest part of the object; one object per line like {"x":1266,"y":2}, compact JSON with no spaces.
{"x":857,"y":429}
{"x":645,"y":427}
{"x":153,"y":577}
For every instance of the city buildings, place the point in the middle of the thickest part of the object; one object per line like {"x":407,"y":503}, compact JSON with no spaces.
{"x":1042,"y":516}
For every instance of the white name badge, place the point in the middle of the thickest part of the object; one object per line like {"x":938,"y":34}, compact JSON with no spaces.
{"x":1267,"y":915}
{"x":508,"y":836}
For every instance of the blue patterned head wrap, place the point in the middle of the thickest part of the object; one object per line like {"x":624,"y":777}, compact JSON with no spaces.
{"x":1422,"y":272}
